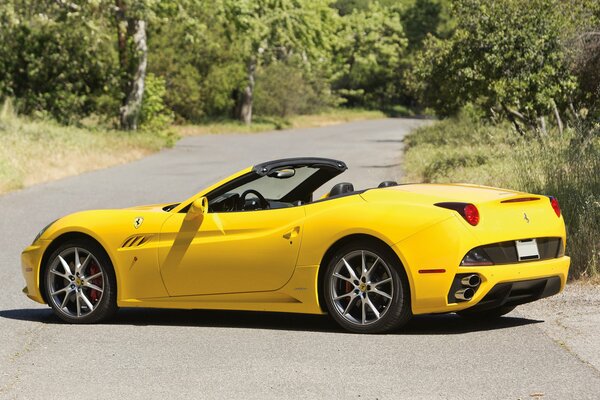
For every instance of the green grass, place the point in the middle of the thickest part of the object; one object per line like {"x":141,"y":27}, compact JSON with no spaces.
{"x":263,"y":124}
{"x":566,"y":166}
{"x":35,"y":151}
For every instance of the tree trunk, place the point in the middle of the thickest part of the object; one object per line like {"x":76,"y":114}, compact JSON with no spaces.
{"x":130,"y":111}
{"x":543,"y":130}
{"x":511,"y":118}
{"x":557,"y":116}
{"x":245,"y":109}
{"x":121,"y":22}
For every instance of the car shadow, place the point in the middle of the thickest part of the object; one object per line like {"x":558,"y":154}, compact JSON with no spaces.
{"x":441,"y":324}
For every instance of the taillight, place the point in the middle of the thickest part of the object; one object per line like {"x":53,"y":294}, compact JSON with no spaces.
{"x":468,"y":211}
{"x":471,"y":214}
{"x":555,"y":205}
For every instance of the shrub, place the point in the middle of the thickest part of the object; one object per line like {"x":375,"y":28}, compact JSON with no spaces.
{"x":284,"y":90}
{"x":463,"y":149}
{"x":155,"y":115}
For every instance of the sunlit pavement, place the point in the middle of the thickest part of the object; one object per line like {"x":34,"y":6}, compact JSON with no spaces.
{"x":146,"y":353}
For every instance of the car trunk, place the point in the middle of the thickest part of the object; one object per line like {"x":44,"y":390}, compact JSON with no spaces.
{"x":503,"y":214}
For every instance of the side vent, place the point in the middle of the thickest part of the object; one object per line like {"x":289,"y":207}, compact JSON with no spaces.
{"x":136,"y":241}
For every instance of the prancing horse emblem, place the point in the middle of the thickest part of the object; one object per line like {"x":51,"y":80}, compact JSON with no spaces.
{"x":137,"y":222}
{"x":525,"y":217}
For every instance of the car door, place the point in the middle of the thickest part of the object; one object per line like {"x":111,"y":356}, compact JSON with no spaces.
{"x":230,"y":252}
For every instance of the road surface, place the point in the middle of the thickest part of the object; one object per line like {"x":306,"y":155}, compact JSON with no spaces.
{"x":146,"y":354}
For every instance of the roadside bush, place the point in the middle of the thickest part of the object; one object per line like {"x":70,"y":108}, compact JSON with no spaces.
{"x":155,"y":115}
{"x":38,"y":150}
{"x":568,"y":167}
{"x":76,"y":67}
{"x":284,"y":90}
{"x":565,"y":166}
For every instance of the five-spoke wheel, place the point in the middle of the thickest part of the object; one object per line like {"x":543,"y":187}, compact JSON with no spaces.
{"x":80,"y":283}
{"x":366,"y":289}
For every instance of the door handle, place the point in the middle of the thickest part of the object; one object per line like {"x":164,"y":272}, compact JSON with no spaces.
{"x":292,"y":234}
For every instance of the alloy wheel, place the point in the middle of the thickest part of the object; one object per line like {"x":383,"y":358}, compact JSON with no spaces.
{"x":76,"y":282}
{"x":361,"y":287}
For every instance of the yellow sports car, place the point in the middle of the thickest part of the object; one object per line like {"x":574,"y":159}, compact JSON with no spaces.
{"x":259,"y":240}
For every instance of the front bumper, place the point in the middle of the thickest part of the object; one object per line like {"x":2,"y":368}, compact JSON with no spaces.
{"x":31,"y":259}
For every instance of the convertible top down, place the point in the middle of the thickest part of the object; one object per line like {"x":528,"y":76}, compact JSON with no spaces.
{"x":260,"y":240}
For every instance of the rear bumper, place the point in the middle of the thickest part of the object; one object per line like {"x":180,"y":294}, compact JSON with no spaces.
{"x":510,"y":284}
{"x":514,"y":293}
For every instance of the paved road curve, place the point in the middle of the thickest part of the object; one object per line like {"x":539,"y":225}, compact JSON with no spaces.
{"x":206,"y":354}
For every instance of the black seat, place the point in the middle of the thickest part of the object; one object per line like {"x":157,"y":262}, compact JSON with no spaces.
{"x":341,"y":188}
{"x":385,"y":184}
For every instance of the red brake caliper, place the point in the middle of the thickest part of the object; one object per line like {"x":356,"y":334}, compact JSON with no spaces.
{"x":94,"y":294}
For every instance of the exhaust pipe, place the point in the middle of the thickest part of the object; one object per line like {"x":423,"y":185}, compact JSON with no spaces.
{"x":471,"y":281}
{"x":464,"y":294}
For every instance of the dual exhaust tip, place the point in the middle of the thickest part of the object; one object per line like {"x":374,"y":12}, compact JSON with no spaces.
{"x":471,"y":281}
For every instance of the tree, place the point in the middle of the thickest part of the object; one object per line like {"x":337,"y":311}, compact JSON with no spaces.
{"x":133,"y":59}
{"x":274,"y":30}
{"x":369,"y":52}
{"x":506,"y":57}
{"x":56,"y":57}
{"x":583,"y":47}
{"x":426,"y":17}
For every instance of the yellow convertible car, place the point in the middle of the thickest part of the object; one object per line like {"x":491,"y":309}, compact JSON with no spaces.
{"x":260,"y":240}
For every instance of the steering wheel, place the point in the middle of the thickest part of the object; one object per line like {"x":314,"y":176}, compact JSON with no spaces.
{"x":261,"y":199}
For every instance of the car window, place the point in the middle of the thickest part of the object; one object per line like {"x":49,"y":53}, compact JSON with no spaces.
{"x":275,"y":188}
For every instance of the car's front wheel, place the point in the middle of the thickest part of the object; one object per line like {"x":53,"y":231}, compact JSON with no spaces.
{"x":80,"y":283}
{"x":366,"y":289}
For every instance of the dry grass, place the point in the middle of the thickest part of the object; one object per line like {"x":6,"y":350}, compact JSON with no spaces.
{"x":565,"y":166}
{"x":40,"y":151}
{"x":262,"y":124}
{"x":34,"y":151}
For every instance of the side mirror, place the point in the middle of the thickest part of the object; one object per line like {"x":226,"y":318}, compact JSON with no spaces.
{"x":198,"y":209}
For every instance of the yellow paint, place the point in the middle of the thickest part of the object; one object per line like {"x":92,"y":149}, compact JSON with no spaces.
{"x":270,"y":259}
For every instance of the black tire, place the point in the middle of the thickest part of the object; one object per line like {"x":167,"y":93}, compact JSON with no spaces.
{"x":486,"y":314}
{"x":95,"y":285}
{"x":393,"y":313}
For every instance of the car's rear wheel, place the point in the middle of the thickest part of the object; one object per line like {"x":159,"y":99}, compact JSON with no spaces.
{"x":486,"y":314}
{"x":366,"y":289}
{"x":80,"y":283}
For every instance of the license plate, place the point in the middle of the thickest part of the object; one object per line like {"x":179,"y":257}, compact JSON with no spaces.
{"x":527,"y":250}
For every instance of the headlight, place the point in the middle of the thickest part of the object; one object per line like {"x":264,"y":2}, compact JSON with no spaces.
{"x":42,"y":231}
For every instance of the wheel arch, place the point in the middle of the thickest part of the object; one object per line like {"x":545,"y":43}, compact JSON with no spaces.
{"x":55,"y":244}
{"x":329,"y":254}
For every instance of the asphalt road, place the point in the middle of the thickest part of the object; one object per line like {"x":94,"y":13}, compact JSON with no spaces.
{"x":208,"y":354}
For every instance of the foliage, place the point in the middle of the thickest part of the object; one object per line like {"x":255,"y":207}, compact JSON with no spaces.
{"x":425,"y":17}
{"x":583,"y":48}
{"x":155,"y":115}
{"x":201,"y":70}
{"x":503,"y":56}
{"x":370,"y":50}
{"x":276,"y":29}
{"x":54,"y":61}
{"x":283,"y":89}
{"x":463,"y":149}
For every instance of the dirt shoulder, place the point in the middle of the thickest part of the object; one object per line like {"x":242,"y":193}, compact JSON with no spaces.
{"x":572,"y":319}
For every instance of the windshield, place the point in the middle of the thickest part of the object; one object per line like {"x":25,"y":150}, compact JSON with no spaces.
{"x":274,"y":188}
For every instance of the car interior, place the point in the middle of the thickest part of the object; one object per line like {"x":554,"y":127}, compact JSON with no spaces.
{"x":247,"y":197}
{"x":281,"y":184}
